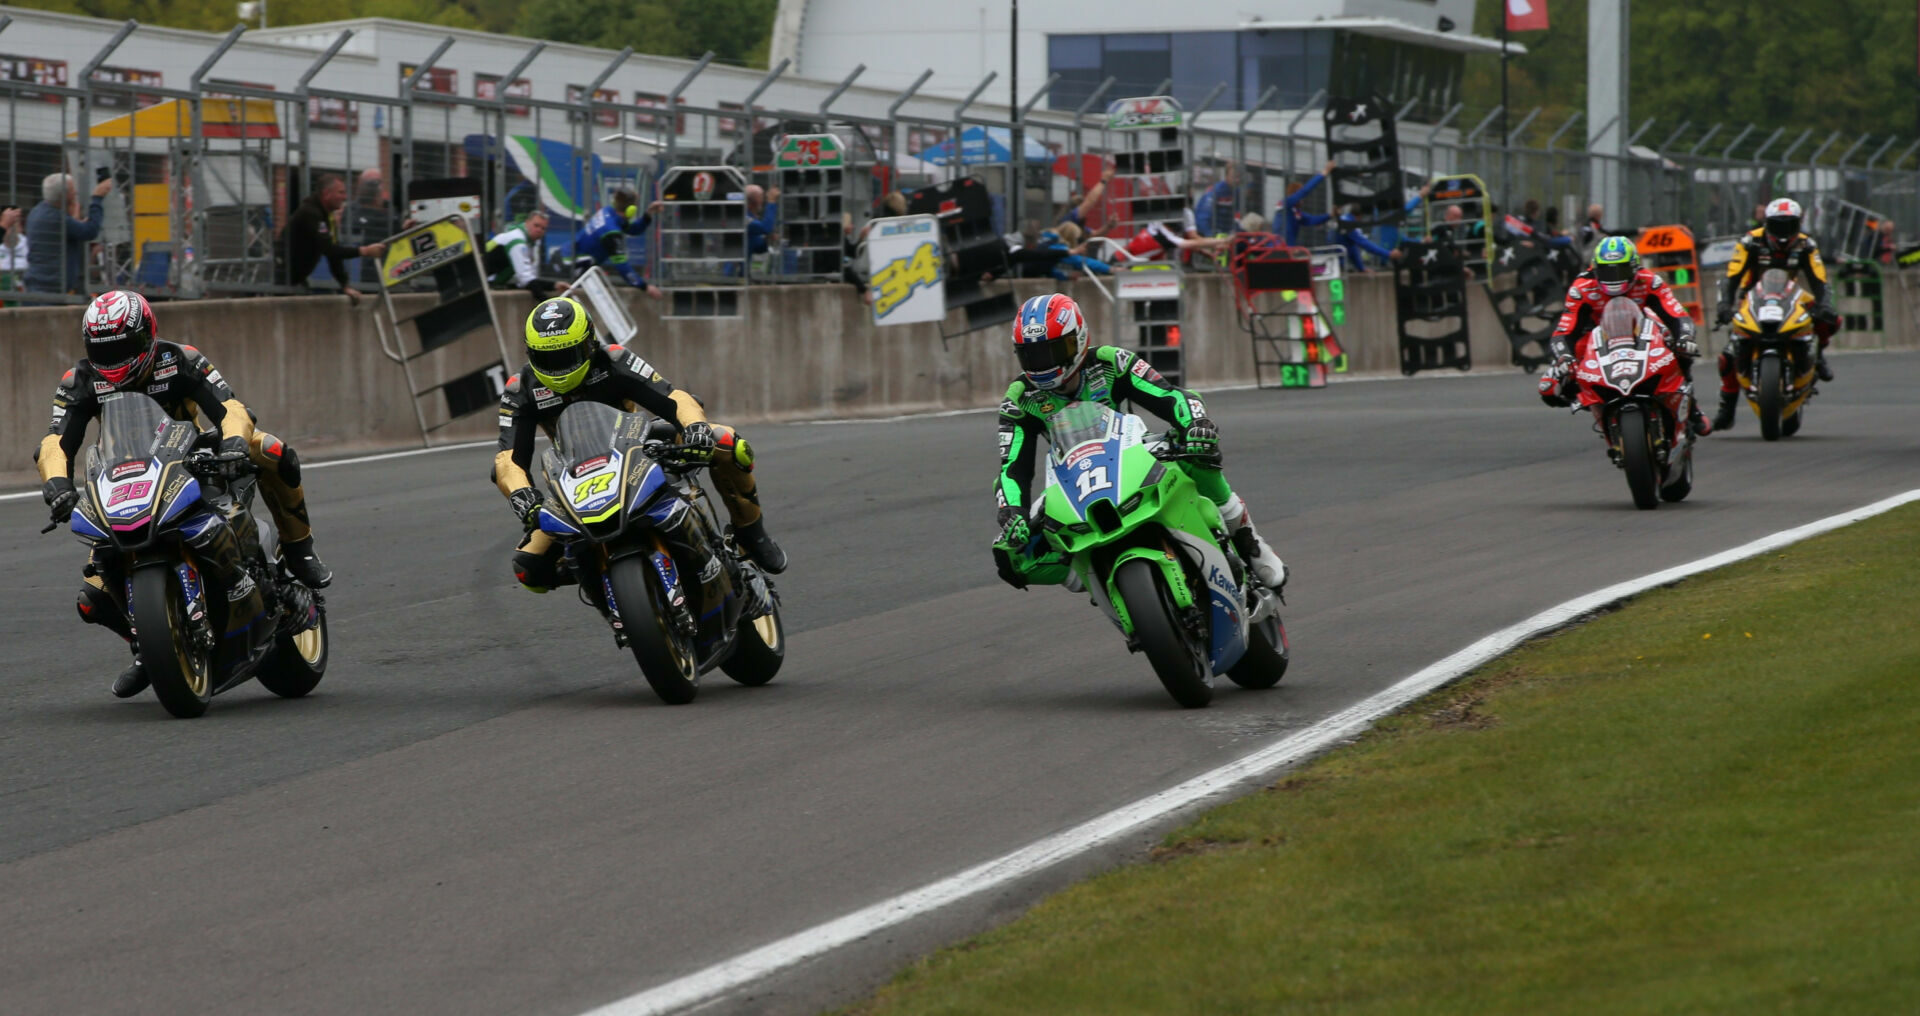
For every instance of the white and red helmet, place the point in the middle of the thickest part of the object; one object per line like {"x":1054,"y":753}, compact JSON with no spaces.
{"x":1783,"y":221}
{"x":1050,"y":340}
{"x":120,"y":332}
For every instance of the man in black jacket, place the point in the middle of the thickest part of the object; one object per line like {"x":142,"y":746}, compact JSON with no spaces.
{"x":310,"y":236}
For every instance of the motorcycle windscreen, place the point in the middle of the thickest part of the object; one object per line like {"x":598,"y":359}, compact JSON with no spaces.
{"x":134,"y":432}
{"x":1086,"y":440}
{"x":586,"y":440}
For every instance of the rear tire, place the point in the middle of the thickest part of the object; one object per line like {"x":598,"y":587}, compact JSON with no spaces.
{"x":298,"y":662}
{"x":1770,"y":397}
{"x":1181,"y":666}
{"x":666,"y":659}
{"x":1636,"y":458}
{"x":181,"y":673}
{"x":759,"y":647}
{"x":1265,"y":661}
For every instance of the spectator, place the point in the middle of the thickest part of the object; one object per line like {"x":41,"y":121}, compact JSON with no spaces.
{"x":1348,"y":234}
{"x":13,"y":248}
{"x":57,"y":239}
{"x":1069,"y":253}
{"x":1082,"y":214}
{"x":310,"y":232}
{"x":604,"y":238}
{"x":1215,"y":207}
{"x":510,"y":260}
{"x":763,"y":216}
{"x":370,"y":217}
{"x":1253,"y":222}
{"x":1530,"y":214}
{"x":1290,"y":213}
{"x":1886,"y":247}
{"x":1592,"y":232}
{"x":1161,"y":238}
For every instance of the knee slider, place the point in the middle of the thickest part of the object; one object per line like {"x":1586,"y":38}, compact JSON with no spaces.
{"x":95,"y":605}
{"x":538,"y":572}
{"x":281,"y":456}
{"x":737,"y":447}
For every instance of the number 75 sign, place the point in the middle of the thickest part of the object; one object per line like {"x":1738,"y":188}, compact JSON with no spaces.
{"x":905,"y":270}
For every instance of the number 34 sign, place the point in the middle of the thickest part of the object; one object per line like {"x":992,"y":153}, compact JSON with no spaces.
{"x":906,"y":280}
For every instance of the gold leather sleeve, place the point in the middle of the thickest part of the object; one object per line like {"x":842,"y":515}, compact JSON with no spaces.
{"x":686,"y":409}
{"x":52,"y":459}
{"x":238,"y":422}
{"x":507,"y":475}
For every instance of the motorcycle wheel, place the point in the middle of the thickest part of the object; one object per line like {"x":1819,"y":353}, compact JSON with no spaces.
{"x":759,"y":647}
{"x":298,"y":661}
{"x":1791,"y":425}
{"x":1770,"y":397}
{"x":1181,"y":666}
{"x":665,"y":657}
{"x":181,"y":673}
{"x":1636,"y":458}
{"x":1265,"y":661}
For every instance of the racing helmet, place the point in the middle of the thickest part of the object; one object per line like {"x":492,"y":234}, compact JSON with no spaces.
{"x":1050,"y":340}
{"x":1615,"y":262}
{"x":560,"y":343}
{"x":119,"y":331}
{"x":1783,"y":221}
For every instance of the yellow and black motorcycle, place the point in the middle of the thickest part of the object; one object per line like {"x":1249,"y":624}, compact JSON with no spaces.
{"x":1774,"y":353}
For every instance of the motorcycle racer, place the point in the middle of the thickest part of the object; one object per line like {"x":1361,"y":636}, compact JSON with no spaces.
{"x":566,"y":364}
{"x":1616,"y":271}
{"x":1778,"y":243}
{"x":1060,"y":366}
{"x":125,"y":354}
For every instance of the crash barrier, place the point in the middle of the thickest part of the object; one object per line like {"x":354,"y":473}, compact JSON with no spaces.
{"x":1670,"y":251}
{"x":313,"y":369}
{"x":1430,"y":301}
{"x":1150,"y":315}
{"x":700,"y":253}
{"x":1529,"y":295}
{"x":1276,"y":294}
{"x":453,"y":351}
{"x":974,"y":255}
{"x":1365,"y":148}
{"x":1859,"y":295}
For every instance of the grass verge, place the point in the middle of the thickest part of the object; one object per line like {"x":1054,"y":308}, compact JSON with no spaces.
{"x":1708,"y":801}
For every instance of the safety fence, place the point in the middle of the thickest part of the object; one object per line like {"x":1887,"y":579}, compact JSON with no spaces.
{"x":204,"y":178}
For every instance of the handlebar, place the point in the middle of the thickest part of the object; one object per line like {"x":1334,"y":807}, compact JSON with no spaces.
{"x":211,"y":464}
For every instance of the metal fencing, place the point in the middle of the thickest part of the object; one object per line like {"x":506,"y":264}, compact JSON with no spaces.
{"x":204,"y":178}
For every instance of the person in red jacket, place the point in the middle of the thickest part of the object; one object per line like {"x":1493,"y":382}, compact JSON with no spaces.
{"x":1616,"y":272}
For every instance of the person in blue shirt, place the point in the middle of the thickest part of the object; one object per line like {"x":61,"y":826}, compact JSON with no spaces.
{"x":603,"y":237}
{"x":1065,"y":240}
{"x":763,"y":217}
{"x":1213,"y":213}
{"x":1353,"y":239}
{"x":57,"y":238}
{"x":1290,"y":216}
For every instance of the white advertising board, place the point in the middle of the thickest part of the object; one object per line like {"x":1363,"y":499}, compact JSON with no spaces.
{"x":906,"y":270}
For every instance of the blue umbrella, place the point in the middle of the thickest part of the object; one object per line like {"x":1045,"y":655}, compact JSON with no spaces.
{"x":983,"y":145}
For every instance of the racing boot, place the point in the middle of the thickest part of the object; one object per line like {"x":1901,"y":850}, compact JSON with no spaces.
{"x":305,"y":565}
{"x":1265,"y":564}
{"x":1820,"y":363}
{"x":132,"y":681}
{"x":1723,"y":417}
{"x":753,"y":539}
{"x":1697,"y":418}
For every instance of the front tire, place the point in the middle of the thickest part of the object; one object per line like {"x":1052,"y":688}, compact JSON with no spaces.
{"x":298,"y":662}
{"x":1770,"y":397}
{"x":1265,"y":661}
{"x":1636,"y":458}
{"x":666,"y":658}
{"x":759,"y":647}
{"x":1181,"y":666}
{"x":181,"y":672}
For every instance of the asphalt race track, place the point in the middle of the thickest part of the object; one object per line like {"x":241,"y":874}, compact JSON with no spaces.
{"x":485,"y":810}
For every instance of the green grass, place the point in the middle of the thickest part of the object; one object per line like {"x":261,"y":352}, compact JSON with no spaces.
{"x":1708,"y":801}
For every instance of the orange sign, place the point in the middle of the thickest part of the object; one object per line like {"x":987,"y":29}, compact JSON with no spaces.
{"x":1670,"y":251}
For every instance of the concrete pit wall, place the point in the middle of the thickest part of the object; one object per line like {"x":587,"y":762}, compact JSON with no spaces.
{"x":312,"y":369}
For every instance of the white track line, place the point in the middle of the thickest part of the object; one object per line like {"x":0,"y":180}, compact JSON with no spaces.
{"x":382,"y":457}
{"x":715,"y":981}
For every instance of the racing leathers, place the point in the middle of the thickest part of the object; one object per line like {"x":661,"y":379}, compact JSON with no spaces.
{"x":1586,"y":299}
{"x":1755,"y":255}
{"x":627,"y":382}
{"x":604,"y":237}
{"x":187,"y":387}
{"x":1112,"y":376}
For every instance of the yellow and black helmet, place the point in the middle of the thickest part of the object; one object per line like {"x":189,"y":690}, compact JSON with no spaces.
{"x":560,"y":343}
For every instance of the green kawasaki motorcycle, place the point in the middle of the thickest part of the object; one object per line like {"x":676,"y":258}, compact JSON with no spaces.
{"x":1152,"y":553}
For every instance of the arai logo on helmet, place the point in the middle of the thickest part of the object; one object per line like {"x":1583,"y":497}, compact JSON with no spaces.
{"x":1034,"y":330}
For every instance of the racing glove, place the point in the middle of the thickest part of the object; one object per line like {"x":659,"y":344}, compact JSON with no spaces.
{"x":695,"y":447}
{"x":1823,"y":313}
{"x":1200,"y":442}
{"x":1014,"y":536}
{"x":60,"y":496}
{"x":1723,"y":314}
{"x":526,"y":504}
{"x":1553,"y":380}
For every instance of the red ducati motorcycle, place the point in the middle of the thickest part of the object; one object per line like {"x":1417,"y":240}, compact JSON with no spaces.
{"x":1630,"y":380}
